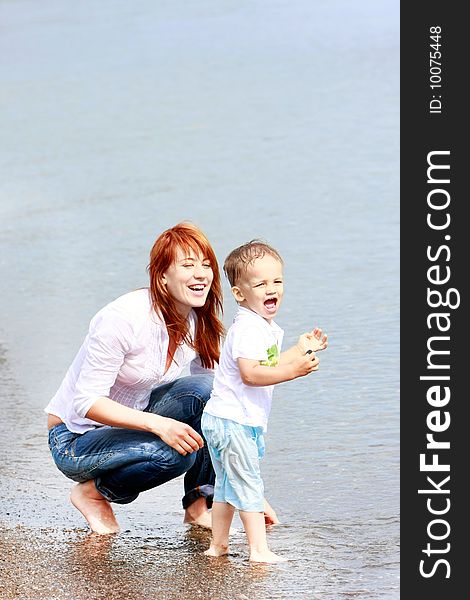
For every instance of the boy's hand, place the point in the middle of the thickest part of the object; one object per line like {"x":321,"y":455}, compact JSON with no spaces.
{"x":304,"y":365}
{"x":315,"y":340}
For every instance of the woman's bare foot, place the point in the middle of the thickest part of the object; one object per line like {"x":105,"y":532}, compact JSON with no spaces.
{"x":216,"y":551}
{"x":266,"y":556}
{"x":270,"y":516}
{"x":96,"y":509}
{"x":197,"y":514}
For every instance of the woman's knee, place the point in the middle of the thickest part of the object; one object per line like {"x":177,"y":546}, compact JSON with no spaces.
{"x":180,"y":463}
{"x":164,"y":455}
{"x":202,"y":386}
{"x":164,"y":396}
{"x":165,"y":459}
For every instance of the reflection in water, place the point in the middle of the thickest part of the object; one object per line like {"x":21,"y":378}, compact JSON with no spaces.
{"x":94,"y":566}
{"x":96,"y":548}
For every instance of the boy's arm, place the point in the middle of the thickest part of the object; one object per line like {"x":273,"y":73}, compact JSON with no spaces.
{"x":256,"y":374}
{"x":291,"y":354}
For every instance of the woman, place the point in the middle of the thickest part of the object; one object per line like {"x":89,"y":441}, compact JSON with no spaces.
{"x":123,"y":421}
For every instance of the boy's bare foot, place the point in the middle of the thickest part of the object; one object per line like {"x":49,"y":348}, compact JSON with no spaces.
{"x":197,"y":514}
{"x":96,"y":509}
{"x":266,"y":556}
{"x":217,"y":551}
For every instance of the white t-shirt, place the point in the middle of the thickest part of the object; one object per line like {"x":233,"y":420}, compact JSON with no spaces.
{"x":250,"y":336}
{"x":123,"y":357}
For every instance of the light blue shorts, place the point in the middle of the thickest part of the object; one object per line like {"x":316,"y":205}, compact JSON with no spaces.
{"x":235,"y":450}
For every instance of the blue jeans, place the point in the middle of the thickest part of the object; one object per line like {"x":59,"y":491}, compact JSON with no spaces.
{"x":125,"y":462}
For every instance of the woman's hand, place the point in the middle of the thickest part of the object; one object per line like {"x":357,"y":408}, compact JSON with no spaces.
{"x":183,"y":438}
{"x":180,"y":436}
{"x":270,"y":516}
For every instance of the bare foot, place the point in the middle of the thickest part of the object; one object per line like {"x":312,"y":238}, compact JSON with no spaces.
{"x":217,"y":551}
{"x":96,"y":509}
{"x":266,"y":557}
{"x":197,"y":514}
{"x":270,"y":516}
{"x":203,"y":520}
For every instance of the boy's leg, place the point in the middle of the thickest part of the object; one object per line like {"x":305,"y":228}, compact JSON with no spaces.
{"x":222,"y":515}
{"x":241,"y":462}
{"x":255,"y":530}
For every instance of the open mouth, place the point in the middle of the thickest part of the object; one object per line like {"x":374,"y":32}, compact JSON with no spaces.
{"x":198,"y":288}
{"x":270,"y":304}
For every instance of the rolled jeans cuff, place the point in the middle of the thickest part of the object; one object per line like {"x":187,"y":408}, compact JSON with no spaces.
{"x":110,"y":496}
{"x":201,"y":491}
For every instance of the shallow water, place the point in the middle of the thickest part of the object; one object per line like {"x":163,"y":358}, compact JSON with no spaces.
{"x":261,"y":119}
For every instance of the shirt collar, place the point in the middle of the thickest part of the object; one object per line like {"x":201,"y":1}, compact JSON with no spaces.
{"x":242,"y":312}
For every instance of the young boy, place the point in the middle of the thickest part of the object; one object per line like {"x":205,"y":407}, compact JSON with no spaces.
{"x":236,"y":414}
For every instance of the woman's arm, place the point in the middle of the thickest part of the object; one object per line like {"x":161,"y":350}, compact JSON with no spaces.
{"x":180,"y":436}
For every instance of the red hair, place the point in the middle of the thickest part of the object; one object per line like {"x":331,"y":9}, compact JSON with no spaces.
{"x":209,"y":329}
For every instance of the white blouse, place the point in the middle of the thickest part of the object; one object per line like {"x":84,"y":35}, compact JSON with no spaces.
{"x":123,"y":357}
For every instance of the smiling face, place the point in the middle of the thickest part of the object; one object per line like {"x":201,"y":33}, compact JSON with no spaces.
{"x":188,"y":280}
{"x":261,"y":288}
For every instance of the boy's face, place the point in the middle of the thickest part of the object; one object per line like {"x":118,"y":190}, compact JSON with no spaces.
{"x":261,"y":288}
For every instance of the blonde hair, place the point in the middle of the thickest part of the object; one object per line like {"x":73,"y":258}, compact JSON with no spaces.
{"x":241,"y":258}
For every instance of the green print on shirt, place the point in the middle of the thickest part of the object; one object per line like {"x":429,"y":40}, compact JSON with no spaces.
{"x":273,"y":357}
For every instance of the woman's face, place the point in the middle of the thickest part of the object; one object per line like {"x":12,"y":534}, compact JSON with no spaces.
{"x":188,"y":280}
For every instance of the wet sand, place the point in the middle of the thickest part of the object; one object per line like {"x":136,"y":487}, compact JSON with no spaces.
{"x":53,"y":564}
{"x":155,"y":554}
